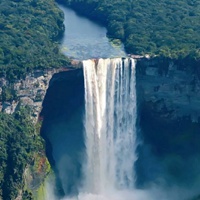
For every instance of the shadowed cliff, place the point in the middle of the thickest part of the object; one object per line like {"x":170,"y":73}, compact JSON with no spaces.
{"x":62,"y":128}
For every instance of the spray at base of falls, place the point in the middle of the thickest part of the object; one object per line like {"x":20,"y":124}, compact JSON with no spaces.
{"x":110,"y":125}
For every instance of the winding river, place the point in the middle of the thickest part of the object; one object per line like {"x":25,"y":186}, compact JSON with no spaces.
{"x":84,"y":39}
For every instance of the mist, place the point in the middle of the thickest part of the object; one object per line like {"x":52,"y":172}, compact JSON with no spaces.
{"x":153,"y":180}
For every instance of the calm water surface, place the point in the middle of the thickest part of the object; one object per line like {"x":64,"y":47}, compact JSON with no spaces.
{"x":83,"y":39}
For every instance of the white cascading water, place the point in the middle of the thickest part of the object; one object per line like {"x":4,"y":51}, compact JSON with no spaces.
{"x":110,"y":125}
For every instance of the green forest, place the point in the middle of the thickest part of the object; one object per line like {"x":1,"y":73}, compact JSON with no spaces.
{"x":29,"y":31}
{"x":29,"y":35}
{"x":20,"y":146}
{"x":166,"y":28}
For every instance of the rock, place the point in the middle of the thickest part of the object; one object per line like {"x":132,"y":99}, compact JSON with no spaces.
{"x":30,"y":91}
{"x":76,"y":63}
{"x":3,"y":82}
{"x":177,"y":86}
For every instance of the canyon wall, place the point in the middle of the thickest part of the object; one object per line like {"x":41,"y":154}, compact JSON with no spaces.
{"x":171,"y":87}
{"x":168,"y":93}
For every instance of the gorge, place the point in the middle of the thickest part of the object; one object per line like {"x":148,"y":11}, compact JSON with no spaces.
{"x":168,"y":144}
{"x":167,"y":93}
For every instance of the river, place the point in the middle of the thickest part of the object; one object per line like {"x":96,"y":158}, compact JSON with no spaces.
{"x":84,"y":39}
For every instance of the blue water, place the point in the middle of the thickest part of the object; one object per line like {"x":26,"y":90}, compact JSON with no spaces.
{"x":83,"y":39}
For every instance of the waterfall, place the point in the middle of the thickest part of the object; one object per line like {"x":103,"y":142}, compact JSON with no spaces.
{"x":110,"y":124}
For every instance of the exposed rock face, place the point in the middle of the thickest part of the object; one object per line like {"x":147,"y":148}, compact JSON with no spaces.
{"x":168,"y":95}
{"x":174,"y":89}
{"x":65,"y":93}
{"x":62,"y":126}
{"x":32,"y":90}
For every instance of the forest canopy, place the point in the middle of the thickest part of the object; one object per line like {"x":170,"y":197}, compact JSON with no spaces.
{"x":20,"y":145}
{"x":166,"y":27}
{"x":29,"y":30}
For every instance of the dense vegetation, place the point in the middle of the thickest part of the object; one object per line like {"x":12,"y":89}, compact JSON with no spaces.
{"x":166,"y":27}
{"x":20,"y":146}
{"x":29,"y":30}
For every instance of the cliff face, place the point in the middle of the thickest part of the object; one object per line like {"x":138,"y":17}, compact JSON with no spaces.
{"x":62,"y":128}
{"x":64,"y":94}
{"x":168,"y":93}
{"x":171,"y":87}
{"x":30,"y":91}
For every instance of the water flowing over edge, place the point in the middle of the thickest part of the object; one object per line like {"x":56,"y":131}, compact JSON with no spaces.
{"x":110,"y":124}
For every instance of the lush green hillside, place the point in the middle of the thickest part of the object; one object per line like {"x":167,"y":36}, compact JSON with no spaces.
{"x":21,"y":146}
{"x":165,"y":27}
{"x":29,"y":30}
